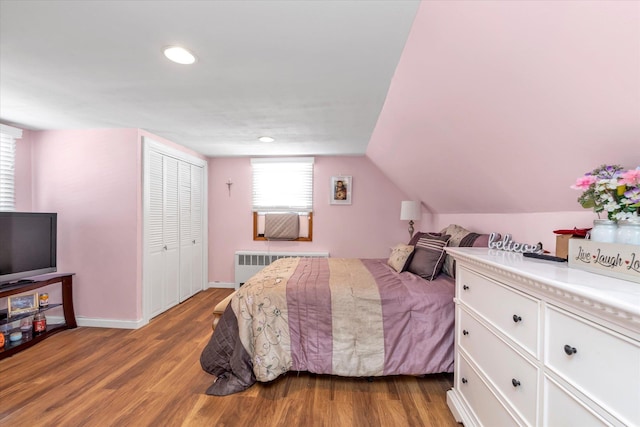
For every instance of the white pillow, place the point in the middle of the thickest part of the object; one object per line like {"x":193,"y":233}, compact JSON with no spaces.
{"x":399,"y":255}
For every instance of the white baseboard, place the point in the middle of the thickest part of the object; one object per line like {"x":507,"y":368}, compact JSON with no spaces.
{"x":108,"y":323}
{"x":222,"y":285}
{"x":99,"y":323}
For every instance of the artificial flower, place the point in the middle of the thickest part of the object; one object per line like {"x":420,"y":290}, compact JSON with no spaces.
{"x":631,"y":177}
{"x":584,"y":182}
{"x":612,"y":190}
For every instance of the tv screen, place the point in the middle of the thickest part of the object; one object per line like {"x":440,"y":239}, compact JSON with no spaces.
{"x":27,"y":245}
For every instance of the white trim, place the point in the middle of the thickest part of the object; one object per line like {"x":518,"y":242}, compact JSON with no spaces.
{"x":283,"y":160}
{"x":149,"y":145}
{"x":221,"y":285}
{"x":110,"y":323}
{"x":99,"y":323}
{"x":14,"y":133}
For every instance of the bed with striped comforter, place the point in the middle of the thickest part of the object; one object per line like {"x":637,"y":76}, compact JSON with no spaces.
{"x":347,"y":317}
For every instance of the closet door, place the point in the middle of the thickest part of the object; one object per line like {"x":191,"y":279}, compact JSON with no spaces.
{"x":191,"y":248}
{"x":155,"y":235}
{"x":186,"y":247}
{"x":197,"y":260}
{"x":171,"y":232}
{"x":162,"y":233}
{"x":175,"y":216}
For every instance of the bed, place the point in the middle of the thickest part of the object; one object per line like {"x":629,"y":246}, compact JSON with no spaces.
{"x":347,"y":317}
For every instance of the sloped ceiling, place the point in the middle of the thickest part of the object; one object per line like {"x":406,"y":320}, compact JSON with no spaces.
{"x":498,"y":106}
{"x":311,"y":74}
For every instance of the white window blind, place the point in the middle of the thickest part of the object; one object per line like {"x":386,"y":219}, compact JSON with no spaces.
{"x":283,"y":184}
{"x":8,"y":136}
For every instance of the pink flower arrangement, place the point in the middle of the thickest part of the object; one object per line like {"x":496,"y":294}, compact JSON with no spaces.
{"x":611,"y":189}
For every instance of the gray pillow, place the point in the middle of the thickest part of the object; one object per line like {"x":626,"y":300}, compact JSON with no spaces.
{"x":428,"y":255}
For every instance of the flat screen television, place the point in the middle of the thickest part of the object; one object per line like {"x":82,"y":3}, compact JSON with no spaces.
{"x":27,"y":245}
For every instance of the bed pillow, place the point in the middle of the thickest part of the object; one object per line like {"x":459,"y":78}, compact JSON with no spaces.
{"x":399,"y":256}
{"x":463,"y":238}
{"x":419,"y":234}
{"x":428,"y":255}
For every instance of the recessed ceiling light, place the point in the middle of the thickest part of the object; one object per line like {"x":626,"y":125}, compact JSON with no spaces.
{"x":266,"y":139}
{"x":180,"y":55}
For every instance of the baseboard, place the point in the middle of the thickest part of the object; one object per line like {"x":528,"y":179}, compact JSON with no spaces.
{"x":222,"y":285}
{"x":110,"y":323}
{"x":99,"y":323}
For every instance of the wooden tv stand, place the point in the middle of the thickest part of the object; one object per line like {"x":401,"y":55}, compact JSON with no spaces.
{"x":66,"y":282}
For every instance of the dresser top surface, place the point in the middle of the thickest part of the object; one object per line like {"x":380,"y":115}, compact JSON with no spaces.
{"x":618,"y":293}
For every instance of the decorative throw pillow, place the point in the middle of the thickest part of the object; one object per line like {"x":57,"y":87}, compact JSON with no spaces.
{"x":420,"y":234}
{"x":428,"y":255}
{"x":399,"y":256}
{"x":463,"y":238}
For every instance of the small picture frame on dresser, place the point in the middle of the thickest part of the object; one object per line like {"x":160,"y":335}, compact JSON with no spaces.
{"x":26,"y":303}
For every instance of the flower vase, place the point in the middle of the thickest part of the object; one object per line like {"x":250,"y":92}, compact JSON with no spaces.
{"x":604,"y":230}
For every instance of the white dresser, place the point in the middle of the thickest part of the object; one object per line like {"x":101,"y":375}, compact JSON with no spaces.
{"x":542,"y":344}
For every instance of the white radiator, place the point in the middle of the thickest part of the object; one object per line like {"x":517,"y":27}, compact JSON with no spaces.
{"x":249,"y":263}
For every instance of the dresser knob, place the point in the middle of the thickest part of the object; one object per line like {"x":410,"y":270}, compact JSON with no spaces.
{"x":465,"y":287}
{"x":465,"y":332}
{"x":517,"y":318}
{"x":464,"y":380}
{"x":570,"y":350}
{"x":515,"y":382}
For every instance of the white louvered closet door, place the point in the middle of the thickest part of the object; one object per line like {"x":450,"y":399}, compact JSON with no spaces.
{"x":174,"y":204}
{"x":186,"y":247}
{"x":191,"y":249}
{"x":155,"y":234}
{"x":163,"y":233}
{"x":197,"y":198}
{"x":171,"y":232}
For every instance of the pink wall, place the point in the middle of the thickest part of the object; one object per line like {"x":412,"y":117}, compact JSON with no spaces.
{"x":525,"y":227}
{"x":367,"y":228}
{"x":496,"y":107}
{"x":91,"y":179}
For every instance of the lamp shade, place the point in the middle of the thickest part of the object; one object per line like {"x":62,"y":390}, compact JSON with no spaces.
{"x":410,"y":210}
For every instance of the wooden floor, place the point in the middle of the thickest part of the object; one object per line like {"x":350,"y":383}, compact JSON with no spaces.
{"x":152,"y":377}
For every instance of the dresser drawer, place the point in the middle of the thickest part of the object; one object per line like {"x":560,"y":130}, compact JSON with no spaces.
{"x":562,"y":409}
{"x":604,"y":363}
{"x":513,"y":313}
{"x":509,"y":372}
{"x":485,"y":405}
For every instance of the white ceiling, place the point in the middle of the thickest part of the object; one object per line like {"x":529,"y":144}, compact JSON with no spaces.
{"x":312,"y":74}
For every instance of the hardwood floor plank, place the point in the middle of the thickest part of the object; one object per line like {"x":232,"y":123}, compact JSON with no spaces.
{"x":152,"y":377}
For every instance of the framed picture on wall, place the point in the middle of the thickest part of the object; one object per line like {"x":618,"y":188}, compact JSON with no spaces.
{"x":340,"y":190}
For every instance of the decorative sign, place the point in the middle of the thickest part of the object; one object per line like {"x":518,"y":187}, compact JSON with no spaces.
{"x":507,"y":244}
{"x":608,"y":259}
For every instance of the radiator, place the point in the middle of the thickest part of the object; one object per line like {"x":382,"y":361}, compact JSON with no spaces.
{"x":249,"y":263}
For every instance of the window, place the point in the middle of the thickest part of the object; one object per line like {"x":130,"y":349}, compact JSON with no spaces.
{"x":8,"y":136}
{"x":283,"y":185}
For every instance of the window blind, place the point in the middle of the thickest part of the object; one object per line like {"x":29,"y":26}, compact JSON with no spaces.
{"x":283,"y":184}
{"x":8,"y":136}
